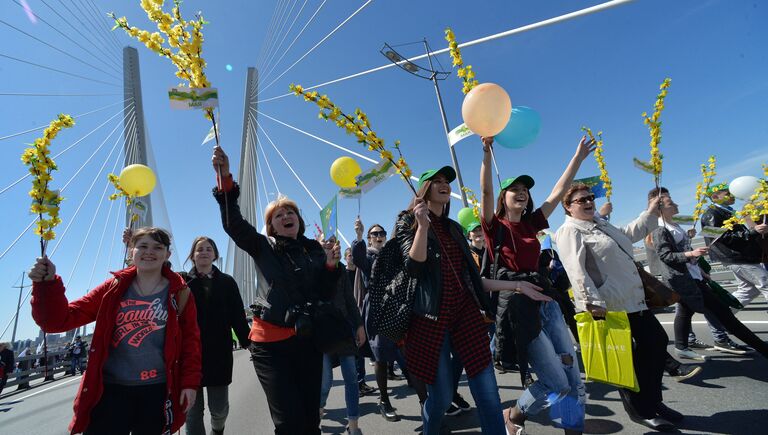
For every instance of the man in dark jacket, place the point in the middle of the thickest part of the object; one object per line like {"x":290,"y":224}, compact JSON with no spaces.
{"x":739,"y":249}
{"x":79,"y":351}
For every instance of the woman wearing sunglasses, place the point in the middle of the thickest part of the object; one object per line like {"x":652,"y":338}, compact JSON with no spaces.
{"x":533,"y":317}
{"x":385,"y":351}
{"x":598,"y":259}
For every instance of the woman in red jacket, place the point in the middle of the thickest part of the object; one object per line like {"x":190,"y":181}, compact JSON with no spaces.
{"x":144,"y":362}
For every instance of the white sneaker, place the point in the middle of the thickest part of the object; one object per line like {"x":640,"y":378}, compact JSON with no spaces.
{"x":687,"y":353}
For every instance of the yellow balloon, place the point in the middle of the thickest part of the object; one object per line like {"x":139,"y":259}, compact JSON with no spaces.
{"x":344,"y":170}
{"x":137,"y":180}
{"x":486,"y":109}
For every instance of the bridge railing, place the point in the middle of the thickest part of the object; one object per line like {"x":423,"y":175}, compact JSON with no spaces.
{"x":36,"y":367}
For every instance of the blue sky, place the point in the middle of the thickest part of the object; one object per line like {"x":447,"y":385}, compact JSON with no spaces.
{"x":601,"y":70}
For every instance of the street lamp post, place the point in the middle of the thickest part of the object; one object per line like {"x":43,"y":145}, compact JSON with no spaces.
{"x":432,"y":75}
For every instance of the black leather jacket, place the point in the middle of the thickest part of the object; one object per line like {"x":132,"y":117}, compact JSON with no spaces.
{"x":737,"y":246}
{"x":429,"y":290}
{"x":294,"y":270}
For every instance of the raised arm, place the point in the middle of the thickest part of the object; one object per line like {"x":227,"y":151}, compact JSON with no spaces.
{"x":486,"y":182}
{"x":245,"y":236}
{"x":583,"y":150}
{"x":406,"y":239}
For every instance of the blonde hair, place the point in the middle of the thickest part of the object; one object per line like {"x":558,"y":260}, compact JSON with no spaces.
{"x":282,"y":202}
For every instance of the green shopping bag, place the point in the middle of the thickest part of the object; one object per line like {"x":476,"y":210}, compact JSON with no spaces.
{"x":606,"y":349}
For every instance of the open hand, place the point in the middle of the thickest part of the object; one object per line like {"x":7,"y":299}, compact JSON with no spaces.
{"x":585,"y":147}
{"x":187,"y":399}
{"x":532,"y":291}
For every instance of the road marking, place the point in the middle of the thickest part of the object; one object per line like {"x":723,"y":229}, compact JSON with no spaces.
{"x":50,"y":388}
{"x":703,"y":322}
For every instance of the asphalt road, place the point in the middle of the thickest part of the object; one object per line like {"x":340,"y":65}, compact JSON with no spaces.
{"x":730,"y":396}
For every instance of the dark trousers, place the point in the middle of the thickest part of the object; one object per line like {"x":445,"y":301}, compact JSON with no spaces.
{"x":360,"y":365}
{"x":723,"y":313}
{"x":124,"y":409}
{"x":290,"y":372}
{"x":649,"y":356}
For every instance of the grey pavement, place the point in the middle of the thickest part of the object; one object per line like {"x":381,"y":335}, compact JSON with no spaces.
{"x":730,"y":396}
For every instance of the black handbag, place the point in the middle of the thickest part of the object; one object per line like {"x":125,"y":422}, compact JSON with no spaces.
{"x":391,"y":293}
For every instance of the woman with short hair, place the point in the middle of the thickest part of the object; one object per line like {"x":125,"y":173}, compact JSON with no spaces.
{"x":598,"y":259}
{"x":294,"y":273}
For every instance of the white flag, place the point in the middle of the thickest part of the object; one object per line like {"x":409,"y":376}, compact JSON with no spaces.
{"x":212,"y":134}
{"x":458,"y":134}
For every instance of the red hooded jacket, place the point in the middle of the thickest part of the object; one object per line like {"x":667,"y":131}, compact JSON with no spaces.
{"x":54,"y":313}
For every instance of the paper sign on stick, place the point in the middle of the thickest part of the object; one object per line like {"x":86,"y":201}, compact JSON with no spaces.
{"x":193,"y":98}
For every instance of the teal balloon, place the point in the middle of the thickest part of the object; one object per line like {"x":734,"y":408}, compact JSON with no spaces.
{"x":521,"y":130}
{"x":466,"y":217}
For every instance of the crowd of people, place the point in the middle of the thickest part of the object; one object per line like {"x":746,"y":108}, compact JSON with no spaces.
{"x":483,"y":299}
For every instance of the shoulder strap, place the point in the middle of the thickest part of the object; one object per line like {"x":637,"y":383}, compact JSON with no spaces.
{"x":181,"y":300}
{"x":631,"y":257}
{"x":496,"y":250}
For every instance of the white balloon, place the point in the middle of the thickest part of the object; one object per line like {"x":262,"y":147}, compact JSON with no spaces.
{"x":744,"y":187}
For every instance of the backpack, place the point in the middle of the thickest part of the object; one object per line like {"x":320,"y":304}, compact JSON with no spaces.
{"x":391,"y":292}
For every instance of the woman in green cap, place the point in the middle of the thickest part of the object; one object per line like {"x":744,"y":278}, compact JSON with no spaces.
{"x":450,"y":306}
{"x":540,"y":333}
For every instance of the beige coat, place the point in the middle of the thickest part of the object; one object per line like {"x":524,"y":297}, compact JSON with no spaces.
{"x":596,"y":256}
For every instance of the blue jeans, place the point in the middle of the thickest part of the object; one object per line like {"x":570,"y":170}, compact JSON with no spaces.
{"x":553,"y":359}
{"x":351,"y":391}
{"x":484,"y":390}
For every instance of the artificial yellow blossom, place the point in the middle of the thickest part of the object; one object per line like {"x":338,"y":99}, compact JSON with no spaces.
{"x":44,"y":200}
{"x":359,"y":126}
{"x":465,"y":73}
{"x":654,"y":124}
{"x":708,"y":176}
{"x":183,"y":37}
{"x":473,"y":201}
{"x":130,"y":200}
{"x":755,"y":209}
{"x":600,"y":159}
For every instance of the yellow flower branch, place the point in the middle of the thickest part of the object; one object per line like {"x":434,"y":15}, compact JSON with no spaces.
{"x":130,"y":200}
{"x":708,"y":176}
{"x":756,"y":208}
{"x":358,"y":126}
{"x":182,"y":42}
{"x":41,"y":165}
{"x":654,"y":124}
{"x":473,"y":201}
{"x":600,"y":159}
{"x":466,"y":73}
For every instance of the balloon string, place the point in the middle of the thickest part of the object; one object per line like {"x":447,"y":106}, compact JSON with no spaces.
{"x":495,"y":166}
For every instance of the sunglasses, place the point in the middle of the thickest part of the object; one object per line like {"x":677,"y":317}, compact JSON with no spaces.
{"x":584,"y":199}
{"x":377,"y":234}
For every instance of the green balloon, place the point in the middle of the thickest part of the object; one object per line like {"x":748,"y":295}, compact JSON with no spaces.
{"x":466,"y":217}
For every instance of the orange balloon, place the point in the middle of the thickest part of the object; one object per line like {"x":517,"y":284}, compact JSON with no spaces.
{"x":486,"y":109}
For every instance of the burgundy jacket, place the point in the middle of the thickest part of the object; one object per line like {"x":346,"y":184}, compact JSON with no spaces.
{"x":54,"y":313}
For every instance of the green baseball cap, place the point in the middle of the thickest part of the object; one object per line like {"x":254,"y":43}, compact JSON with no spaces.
{"x":716,"y":188}
{"x":526,"y":180}
{"x":445,"y":171}
{"x":471,"y":227}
